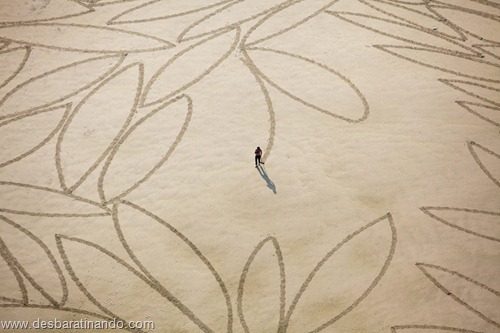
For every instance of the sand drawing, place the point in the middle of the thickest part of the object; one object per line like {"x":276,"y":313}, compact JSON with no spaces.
{"x":233,"y":14}
{"x":5,"y":77}
{"x":286,"y":316}
{"x":111,"y":110}
{"x":22,"y":256}
{"x":155,"y":89}
{"x":270,"y":109}
{"x":146,"y":126}
{"x":486,"y":293}
{"x":476,"y":220}
{"x":290,"y":15}
{"x":29,"y":12}
{"x":488,"y":113}
{"x":12,"y":129}
{"x":26,"y":199}
{"x":492,"y":50}
{"x":487,"y":160}
{"x":162,"y":10}
{"x":427,"y":20}
{"x":344,"y":94}
{"x":37,"y":95}
{"x":35,"y":35}
{"x":475,"y":90}
{"x":92,"y":120}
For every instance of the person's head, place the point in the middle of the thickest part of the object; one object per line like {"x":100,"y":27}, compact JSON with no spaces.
{"x":258,"y":147}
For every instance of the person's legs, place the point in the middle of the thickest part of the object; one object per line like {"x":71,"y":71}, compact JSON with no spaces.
{"x":256,"y":159}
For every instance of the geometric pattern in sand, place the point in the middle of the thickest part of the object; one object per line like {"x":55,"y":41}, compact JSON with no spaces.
{"x":127,"y":187}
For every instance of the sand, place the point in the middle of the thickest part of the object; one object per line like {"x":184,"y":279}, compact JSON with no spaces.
{"x":128,"y":190}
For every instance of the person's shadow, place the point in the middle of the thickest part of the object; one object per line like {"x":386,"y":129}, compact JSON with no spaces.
{"x":264,"y":175}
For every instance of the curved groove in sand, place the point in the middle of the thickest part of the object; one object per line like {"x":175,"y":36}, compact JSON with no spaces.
{"x":26,"y":271}
{"x":42,"y":143}
{"x":244,"y":273}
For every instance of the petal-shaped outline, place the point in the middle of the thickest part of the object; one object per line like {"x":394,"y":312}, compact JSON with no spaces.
{"x":49,"y":255}
{"x":113,"y":20}
{"x":241,"y":285}
{"x":196,"y":79}
{"x":449,"y":82}
{"x":116,"y":138}
{"x":21,"y":65}
{"x":426,"y":211}
{"x":422,"y":267}
{"x":340,"y":15}
{"x":162,"y":161}
{"x":270,"y":108}
{"x":397,"y":328}
{"x":438,"y":18}
{"x":120,"y":58}
{"x":318,"y":266}
{"x":7,"y":256}
{"x":182,"y":38}
{"x":121,"y":262}
{"x":346,"y":80}
{"x":106,"y":211}
{"x":166,"y":44}
{"x":88,"y":11}
{"x":387,"y":49}
{"x":158,"y":284}
{"x":471,"y":145}
{"x":466,"y":106}
{"x":433,"y":8}
{"x":282,"y":31}
{"x":46,"y":139}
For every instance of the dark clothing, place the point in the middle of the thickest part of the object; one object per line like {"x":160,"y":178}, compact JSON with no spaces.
{"x":258,"y":155}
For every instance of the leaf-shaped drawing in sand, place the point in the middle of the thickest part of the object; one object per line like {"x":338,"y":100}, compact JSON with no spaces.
{"x":488,"y":161}
{"x":482,"y":26}
{"x":12,"y":62}
{"x":160,"y":10}
{"x":37,"y":92}
{"x":32,"y":200}
{"x":289,"y":72}
{"x":233,"y":14}
{"x":404,"y":32}
{"x":110,"y":283}
{"x":423,"y":17}
{"x":488,"y":113}
{"x":42,"y":125}
{"x":483,"y":92}
{"x":285,"y":18}
{"x":375,"y":243}
{"x":185,"y":68}
{"x":144,"y":148}
{"x":449,"y":63}
{"x":79,"y":150}
{"x":13,"y":290}
{"x":136,"y":227}
{"x":40,"y":10}
{"x":483,"y":224}
{"x":94,"y":39}
{"x":474,"y":295}
{"x":34,"y":260}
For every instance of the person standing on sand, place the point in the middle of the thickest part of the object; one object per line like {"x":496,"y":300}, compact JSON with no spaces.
{"x":258,"y":155}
